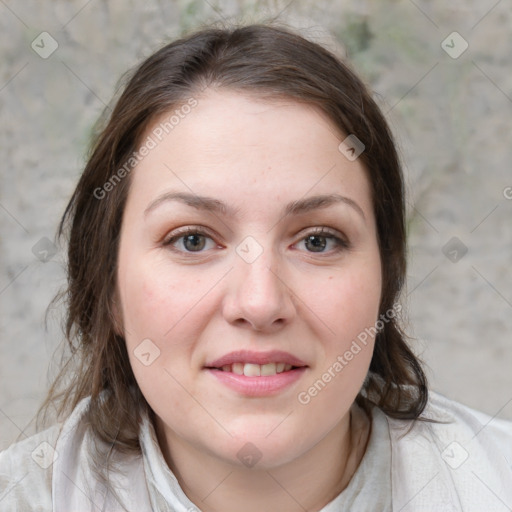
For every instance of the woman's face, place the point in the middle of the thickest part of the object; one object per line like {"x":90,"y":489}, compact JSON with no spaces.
{"x":248,"y":243}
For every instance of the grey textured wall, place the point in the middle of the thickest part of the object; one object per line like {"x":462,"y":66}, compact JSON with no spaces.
{"x":450,"y":107}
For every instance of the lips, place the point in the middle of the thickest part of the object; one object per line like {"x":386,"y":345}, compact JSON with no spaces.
{"x":251,"y":358}
{"x":257,"y":374}
{"x":257,"y":370}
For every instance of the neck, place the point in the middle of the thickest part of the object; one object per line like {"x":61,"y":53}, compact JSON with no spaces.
{"x":308,"y":482}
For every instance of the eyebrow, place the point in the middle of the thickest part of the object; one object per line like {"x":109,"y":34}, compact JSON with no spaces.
{"x":321,"y":201}
{"x":301,"y":206}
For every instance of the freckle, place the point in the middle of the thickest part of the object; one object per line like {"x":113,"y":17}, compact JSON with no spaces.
{"x":330,"y":277}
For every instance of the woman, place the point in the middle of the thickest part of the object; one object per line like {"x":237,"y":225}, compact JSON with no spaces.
{"x":236,"y":254}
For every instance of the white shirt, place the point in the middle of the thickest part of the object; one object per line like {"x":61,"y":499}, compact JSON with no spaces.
{"x":462,"y":465}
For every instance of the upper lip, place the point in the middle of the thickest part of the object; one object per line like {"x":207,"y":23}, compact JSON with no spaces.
{"x":248,"y":356}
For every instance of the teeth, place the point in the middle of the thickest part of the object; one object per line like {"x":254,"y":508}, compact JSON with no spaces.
{"x":268,"y":369}
{"x":252,"y":370}
{"x":256,"y":370}
{"x":238,"y":368}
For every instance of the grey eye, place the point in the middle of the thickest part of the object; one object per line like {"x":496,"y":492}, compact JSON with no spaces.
{"x":191,"y":241}
{"x":316,"y":243}
{"x":194,"y":242}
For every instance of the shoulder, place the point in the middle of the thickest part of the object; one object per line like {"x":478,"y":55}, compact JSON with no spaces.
{"x":65,"y":468}
{"x":458,"y":423}
{"x":26,"y":472}
{"x":480,"y":424}
{"x":446,"y":419}
{"x":27,"y":468}
{"x":456,"y":456}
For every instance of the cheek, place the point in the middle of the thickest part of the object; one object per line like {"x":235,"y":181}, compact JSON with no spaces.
{"x":171,"y":309}
{"x":163,"y":315}
{"x":156,"y":299}
{"x":349,"y":306}
{"x":347,"y":301}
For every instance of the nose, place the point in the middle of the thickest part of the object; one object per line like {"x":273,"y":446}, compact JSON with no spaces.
{"x":259,"y":296}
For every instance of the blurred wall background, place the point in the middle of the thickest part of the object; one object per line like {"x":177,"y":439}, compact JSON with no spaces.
{"x":442,"y":74}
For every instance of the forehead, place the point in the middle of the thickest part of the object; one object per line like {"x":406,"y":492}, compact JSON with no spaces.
{"x":244,"y":148}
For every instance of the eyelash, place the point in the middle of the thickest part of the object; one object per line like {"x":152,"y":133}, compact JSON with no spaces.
{"x":189,"y":230}
{"x":341,"y":244}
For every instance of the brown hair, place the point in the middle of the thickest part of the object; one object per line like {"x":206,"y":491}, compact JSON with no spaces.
{"x":257,"y":59}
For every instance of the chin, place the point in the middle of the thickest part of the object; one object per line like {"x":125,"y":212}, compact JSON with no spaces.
{"x":259,"y":450}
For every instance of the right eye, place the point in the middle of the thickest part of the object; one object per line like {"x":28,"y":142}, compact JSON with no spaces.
{"x":190,"y":240}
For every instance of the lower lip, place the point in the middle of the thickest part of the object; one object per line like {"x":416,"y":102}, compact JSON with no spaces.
{"x":258,"y":386}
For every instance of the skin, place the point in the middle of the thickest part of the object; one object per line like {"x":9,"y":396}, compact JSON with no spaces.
{"x":256,"y":157}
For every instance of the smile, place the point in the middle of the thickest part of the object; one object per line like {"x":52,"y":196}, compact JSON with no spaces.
{"x":256,"y":370}
{"x":256,"y":373}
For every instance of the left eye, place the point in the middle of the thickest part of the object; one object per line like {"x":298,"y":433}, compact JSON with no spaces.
{"x":322,"y":242}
